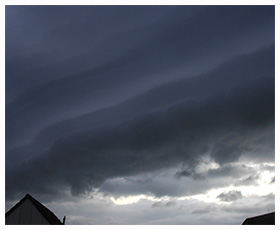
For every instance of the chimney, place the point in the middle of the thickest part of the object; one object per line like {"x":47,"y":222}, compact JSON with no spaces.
{"x":64,"y":218}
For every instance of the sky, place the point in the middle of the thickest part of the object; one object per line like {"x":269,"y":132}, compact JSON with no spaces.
{"x":141,"y":114}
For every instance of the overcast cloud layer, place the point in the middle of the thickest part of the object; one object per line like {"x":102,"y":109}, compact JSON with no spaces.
{"x":164,"y":102}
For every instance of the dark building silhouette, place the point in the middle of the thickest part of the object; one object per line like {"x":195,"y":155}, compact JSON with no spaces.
{"x":266,"y":219}
{"x":29,"y":211}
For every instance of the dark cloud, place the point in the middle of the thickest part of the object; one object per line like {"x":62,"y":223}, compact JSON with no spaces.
{"x":230,"y":196}
{"x":260,"y":64}
{"x":165,"y":183}
{"x":224,"y":154}
{"x":237,"y":175}
{"x":176,"y":124}
{"x":128,"y":100}
{"x":225,"y":170}
{"x":159,"y":184}
{"x":189,"y":172}
{"x":163,"y":46}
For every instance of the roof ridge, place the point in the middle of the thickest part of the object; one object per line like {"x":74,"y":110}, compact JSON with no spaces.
{"x":263,"y":219}
{"x":45,"y":212}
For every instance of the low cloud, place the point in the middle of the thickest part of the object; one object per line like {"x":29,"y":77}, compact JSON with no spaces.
{"x":162,"y":204}
{"x":129,"y":100}
{"x":230,"y":196}
{"x":225,"y":119}
{"x":250,"y":180}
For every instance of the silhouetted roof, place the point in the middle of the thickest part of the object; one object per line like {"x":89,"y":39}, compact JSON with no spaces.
{"x":45,"y":212}
{"x":266,"y":219}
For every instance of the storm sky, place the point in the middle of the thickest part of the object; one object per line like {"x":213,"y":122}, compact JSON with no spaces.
{"x":141,"y":114}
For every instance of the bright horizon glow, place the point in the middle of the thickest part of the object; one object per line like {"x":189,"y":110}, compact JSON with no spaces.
{"x":211,"y":196}
{"x":125,"y":200}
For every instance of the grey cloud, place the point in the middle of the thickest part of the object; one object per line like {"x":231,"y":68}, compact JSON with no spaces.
{"x":100,"y":84}
{"x":96,"y":97}
{"x":178,"y":129}
{"x":185,"y":173}
{"x":236,"y":173}
{"x":224,"y":154}
{"x":78,"y":55}
{"x":190,"y":172}
{"x":203,"y":211}
{"x":187,"y":212}
{"x":230,"y":196}
{"x":256,"y":205}
{"x":188,"y":215}
{"x":160,"y":183}
{"x":269,"y":197}
{"x":268,"y":167}
{"x":162,"y":204}
{"x":257,"y":64}
{"x":250,"y":180}
{"x":225,"y":170}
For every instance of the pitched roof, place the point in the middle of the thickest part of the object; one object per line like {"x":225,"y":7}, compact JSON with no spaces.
{"x":45,"y":212}
{"x":266,"y":219}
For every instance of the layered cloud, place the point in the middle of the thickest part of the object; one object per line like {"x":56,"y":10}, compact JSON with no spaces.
{"x":161,"y":109}
{"x":177,"y":122}
{"x":177,"y":44}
